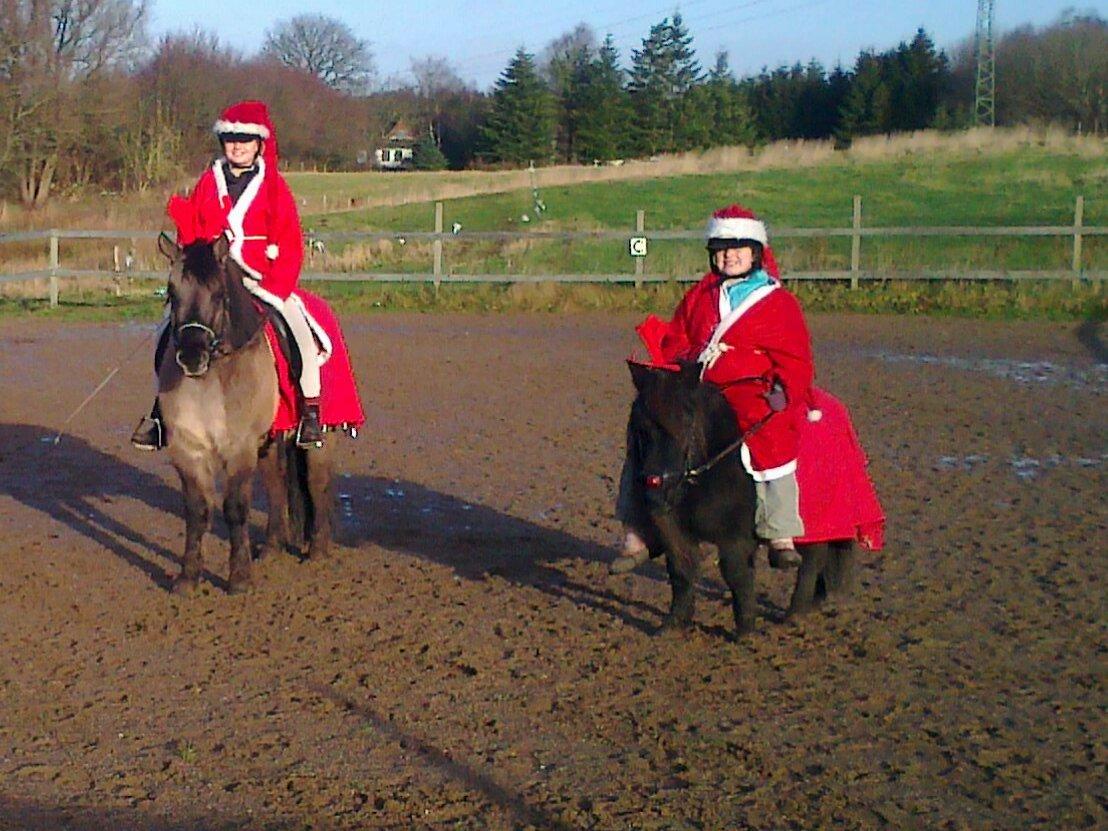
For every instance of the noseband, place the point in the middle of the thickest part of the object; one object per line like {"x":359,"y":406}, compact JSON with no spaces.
{"x":215,"y":341}
{"x":193,"y":324}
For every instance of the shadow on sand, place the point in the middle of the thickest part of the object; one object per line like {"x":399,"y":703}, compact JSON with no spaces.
{"x":1089,"y":336}
{"x":72,"y":482}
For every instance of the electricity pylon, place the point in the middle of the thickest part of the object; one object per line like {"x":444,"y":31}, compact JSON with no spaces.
{"x":984,"y":109}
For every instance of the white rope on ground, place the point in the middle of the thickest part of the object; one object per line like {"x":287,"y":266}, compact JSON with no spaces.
{"x":143,"y":342}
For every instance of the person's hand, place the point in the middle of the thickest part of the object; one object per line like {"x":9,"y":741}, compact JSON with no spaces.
{"x":776,"y":398}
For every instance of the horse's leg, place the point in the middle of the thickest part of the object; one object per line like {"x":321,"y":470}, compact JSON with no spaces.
{"x":236,"y":510}
{"x":813,"y":563}
{"x":320,"y":474}
{"x":736,"y":564}
{"x":271,"y":462}
{"x":198,"y":494}
{"x":839,"y":574}
{"x":682,"y":563}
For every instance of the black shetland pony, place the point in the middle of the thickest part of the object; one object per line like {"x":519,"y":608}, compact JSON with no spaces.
{"x":218,"y":397}
{"x":684,"y":441}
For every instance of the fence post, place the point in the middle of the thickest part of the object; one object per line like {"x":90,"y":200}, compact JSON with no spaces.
{"x":856,"y":242}
{"x":640,"y":227}
{"x":436,"y":247}
{"x":53,"y":268}
{"x":1078,"y":220}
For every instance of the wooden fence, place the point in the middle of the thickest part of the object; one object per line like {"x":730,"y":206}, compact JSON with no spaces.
{"x":636,"y":274}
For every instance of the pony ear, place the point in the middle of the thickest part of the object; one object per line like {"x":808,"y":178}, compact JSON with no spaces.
{"x":221,"y":247}
{"x":641,"y":374}
{"x":170,"y":249}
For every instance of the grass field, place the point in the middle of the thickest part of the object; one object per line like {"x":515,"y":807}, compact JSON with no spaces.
{"x":987,"y":179}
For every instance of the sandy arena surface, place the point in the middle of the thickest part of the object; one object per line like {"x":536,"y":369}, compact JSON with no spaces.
{"x":465,"y":661}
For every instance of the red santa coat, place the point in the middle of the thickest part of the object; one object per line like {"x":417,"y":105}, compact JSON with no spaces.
{"x":264,"y":227}
{"x":762,"y":341}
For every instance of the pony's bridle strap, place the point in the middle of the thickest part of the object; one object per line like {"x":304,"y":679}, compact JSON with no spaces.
{"x":213,"y":344}
{"x":691,"y":474}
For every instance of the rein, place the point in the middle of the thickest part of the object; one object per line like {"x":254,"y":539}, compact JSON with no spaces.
{"x":691,"y":474}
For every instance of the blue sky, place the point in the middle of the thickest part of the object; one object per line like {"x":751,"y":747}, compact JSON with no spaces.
{"x":479,"y":38}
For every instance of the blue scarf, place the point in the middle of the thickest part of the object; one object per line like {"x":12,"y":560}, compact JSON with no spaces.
{"x":739,"y":290}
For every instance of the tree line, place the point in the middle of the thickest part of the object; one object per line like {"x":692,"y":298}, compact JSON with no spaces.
{"x":87,"y":101}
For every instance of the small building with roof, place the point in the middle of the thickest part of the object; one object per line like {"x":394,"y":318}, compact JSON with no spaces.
{"x":397,"y":150}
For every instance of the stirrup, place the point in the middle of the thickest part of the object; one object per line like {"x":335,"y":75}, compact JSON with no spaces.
{"x":149,"y":435}
{"x":309,"y":436}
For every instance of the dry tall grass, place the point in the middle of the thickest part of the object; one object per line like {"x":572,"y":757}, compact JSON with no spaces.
{"x":325,"y":192}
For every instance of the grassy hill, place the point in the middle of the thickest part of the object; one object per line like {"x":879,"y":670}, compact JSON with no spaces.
{"x":1022,"y":185}
{"x":983,"y":178}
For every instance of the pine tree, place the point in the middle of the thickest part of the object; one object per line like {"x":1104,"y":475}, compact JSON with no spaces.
{"x":520,"y":125}
{"x":925,"y":74}
{"x":601,"y":108}
{"x":426,"y":155}
{"x":867,"y":107}
{"x":662,"y":73}
{"x":716,"y":112}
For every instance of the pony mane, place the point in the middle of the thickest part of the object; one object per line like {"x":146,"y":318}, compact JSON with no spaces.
{"x":199,"y":261}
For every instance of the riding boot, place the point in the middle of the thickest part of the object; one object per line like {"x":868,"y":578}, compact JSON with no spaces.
{"x":309,"y":433}
{"x":150,"y":433}
{"x":783,"y":554}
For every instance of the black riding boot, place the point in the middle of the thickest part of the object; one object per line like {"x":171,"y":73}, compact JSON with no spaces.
{"x":310,"y":432}
{"x":150,"y":433}
{"x":782,"y":555}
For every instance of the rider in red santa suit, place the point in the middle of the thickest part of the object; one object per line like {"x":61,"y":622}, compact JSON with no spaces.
{"x":243,"y":196}
{"x":749,"y":334}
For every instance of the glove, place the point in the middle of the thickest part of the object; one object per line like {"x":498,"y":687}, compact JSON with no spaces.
{"x":776,"y":397}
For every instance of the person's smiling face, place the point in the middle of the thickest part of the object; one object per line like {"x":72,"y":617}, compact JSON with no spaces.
{"x":733,"y":262}
{"x":241,"y":154}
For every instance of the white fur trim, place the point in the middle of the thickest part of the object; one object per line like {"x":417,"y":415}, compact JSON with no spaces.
{"x":736,"y":228}
{"x":259,"y":130}
{"x":268,"y":297}
{"x":728,"y":316}
{"x":238,"y":212}
{"x":815,"y":415}
{"x":765,"y":475}
{"x":271,"y":251}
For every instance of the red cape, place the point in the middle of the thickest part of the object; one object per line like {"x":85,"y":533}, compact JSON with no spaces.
{"x":339,"y":404}
{"x":837,"y":498}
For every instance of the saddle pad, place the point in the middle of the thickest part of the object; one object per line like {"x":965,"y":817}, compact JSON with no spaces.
{"x":339,"y":403}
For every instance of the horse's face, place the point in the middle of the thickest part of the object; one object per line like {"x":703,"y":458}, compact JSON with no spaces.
{"x":198,"y":304}
{"x":665,"y":430}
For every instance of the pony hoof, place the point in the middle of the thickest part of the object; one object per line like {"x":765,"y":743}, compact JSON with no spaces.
{"x":673,"y":626}
{"x":318,"y":550}
{"x":184,"y":586}
{"x":240,"y":586}
{"x":268,"y":550}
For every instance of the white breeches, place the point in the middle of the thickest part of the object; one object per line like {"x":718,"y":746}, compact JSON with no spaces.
{"x":310,"y":354}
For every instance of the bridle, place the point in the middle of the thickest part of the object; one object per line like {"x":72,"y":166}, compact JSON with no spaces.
{"x":690,"y":474}
{"x":215,"y":341}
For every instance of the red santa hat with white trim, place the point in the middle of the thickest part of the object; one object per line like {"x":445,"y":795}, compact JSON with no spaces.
{"x":731,"y":225}
{"x":250,"y":118}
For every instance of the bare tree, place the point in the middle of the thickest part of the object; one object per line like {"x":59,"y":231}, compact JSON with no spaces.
{"x":50,"y":53}
{"x":326,"y":48}
{"x":434,"y":76}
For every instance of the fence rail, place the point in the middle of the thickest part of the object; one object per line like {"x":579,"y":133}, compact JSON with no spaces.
{"x":439,"y":237}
